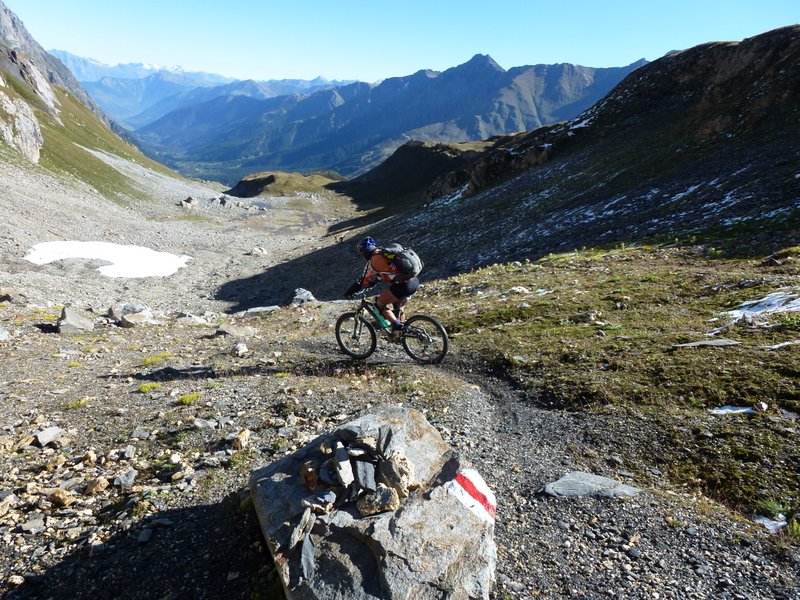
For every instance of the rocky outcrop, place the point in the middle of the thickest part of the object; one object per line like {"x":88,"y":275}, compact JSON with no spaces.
{"x":380,"y":508}
{"x":19,"y":127}
{"x":21,"y":56}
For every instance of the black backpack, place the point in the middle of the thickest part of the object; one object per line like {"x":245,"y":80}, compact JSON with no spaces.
{"x":405,"y":260}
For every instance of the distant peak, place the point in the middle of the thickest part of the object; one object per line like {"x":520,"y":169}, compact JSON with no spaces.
{"x":484,"y":61}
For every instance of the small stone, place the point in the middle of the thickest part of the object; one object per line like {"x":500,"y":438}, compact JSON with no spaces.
{"x":303,"y":527}
{"x":95,"y":486}
{"x":307,"y":556}
{"x":47,"y":436}
{"x":381,"y":500}
{"x":309,"y":475}
{"x":61,"y":497}
{"x":7,"y":502}
{"x":16,"y":580}
{"x":145,"y":536}
{"x":140,"y":434}
{"x":327,"y":473}
{"x":126,"y":479}
{"x":242,"y":440}
{"x":365,"y":475}
{"x":344,"y":470}
{"x":321,"y":503}
{"x":73,"y":323}
{"x":34,"y":525}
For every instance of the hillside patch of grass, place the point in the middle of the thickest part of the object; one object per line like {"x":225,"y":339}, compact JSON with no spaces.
{"x":593,"y":329}
{"x":76,"y":128}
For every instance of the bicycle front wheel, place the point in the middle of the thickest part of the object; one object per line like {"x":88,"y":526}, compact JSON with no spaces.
{"x":356,"y":336}
{"x":425,"y":339}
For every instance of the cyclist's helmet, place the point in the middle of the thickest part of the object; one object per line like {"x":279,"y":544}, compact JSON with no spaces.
{"x":366,"y":247}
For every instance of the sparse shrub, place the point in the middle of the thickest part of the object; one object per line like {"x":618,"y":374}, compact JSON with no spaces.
{"x":77,"y":403}
{"x":792,"y":530}
{"x":148,"y":387}
{"x":407,"y":387}
{"x":140,"y":510}
{"x":152,"y":360}
{"x":75,"y":365}
{"x":770,"y":507}
{"x":788,"y":321}
{"x":187,"y":399}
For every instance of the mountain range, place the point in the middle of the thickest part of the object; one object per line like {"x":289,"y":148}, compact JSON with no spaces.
{"x":136,"y":94}
{"x":353,"y":128}
{"x":224,"y":130}
{"x":87,"y":70}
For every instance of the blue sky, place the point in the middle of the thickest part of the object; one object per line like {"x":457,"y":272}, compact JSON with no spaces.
{"x":370,"y":40}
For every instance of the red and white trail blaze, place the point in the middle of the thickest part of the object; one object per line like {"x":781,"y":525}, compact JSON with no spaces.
{"x":470,"y":488}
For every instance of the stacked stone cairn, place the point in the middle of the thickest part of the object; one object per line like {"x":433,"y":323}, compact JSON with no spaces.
{"x":348,"y":515}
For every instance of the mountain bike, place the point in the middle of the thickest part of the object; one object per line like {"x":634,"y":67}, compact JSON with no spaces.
{"x":423,"y":338}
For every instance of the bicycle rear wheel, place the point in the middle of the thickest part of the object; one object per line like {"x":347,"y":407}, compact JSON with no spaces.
{"x":356,"y":336}
{"x":425,"y":339}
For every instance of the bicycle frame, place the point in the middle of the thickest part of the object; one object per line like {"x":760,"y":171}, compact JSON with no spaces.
{"x":371,"y":309}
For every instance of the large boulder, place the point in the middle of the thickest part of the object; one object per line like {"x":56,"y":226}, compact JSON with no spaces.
{"x":73,"y":322}
{"x":380,"y":508}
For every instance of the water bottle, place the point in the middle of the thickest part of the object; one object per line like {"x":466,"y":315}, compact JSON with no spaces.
{"x":381,"y":319}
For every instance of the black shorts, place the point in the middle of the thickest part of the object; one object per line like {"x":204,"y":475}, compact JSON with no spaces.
{"x":404,"y":289}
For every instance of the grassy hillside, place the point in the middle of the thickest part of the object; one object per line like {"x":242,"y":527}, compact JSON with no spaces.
{"x":599,"y":331}
{"x":281,"y":184}
{"x":76,"y":129}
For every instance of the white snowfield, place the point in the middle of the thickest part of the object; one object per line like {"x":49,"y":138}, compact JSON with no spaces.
{"x":125,"y":261}
{"x":785,"y":300}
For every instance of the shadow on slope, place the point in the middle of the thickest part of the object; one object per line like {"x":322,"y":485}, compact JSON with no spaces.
{"x":400,"y":182}
{"x":208,"y":551}
{"x":326,"y":273}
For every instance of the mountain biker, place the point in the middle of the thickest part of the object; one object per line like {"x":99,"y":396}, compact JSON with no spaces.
{"x":393,"y":299}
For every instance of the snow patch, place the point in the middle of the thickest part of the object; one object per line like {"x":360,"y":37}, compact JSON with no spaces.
{"x":585,"y":123}
{"x":731,"y":410}
{"x":680,"y":195}
{"x":126,"y":261}
{"x":774,"y":525}
{"x":781,"y":301}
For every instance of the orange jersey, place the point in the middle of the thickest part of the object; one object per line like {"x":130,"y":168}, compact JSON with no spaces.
{"x":379,"y":267}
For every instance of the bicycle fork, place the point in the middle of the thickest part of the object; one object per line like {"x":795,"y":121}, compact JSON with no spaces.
{"x":356,"y":333}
